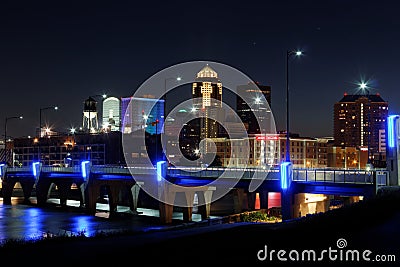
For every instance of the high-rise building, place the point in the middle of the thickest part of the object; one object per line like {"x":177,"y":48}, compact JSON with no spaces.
{"x":111,"y":114}
{"x":250,"y":108}
{"x":142,"y":113}
{"x":207,"y":100}
{"x":360,"y":121}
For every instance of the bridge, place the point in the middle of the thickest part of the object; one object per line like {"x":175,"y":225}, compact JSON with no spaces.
{"x":206,"y":183}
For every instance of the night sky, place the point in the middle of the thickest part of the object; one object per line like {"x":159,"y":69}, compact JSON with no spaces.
{"x":61,"y":52}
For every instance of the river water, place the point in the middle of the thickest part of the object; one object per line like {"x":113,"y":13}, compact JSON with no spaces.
{"x":28,"y":221}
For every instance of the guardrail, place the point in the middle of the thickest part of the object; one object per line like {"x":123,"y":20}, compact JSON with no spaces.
{"x":299,"y":175}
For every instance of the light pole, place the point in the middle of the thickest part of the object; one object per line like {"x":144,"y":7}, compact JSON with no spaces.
{"x":40,"y":117}
{"x":165,"y":109}
{"x":289,"y":53}
{"x":364,"y":87}
{"x":287,"y":167}
{"x":5,"y":134}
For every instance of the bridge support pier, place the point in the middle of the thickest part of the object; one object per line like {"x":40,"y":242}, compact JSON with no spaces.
{"x":114,"y":187}
{"x":205,"y":203}
{"x":6,"y":190}
{"x":64,"y":189}
{"x":135,"y":189}
{"x":263,"y":194}
{"x":43,"y":188}
{"x":251,"y":200}
{"x":167,"y":193}
{"x":238,"y":199}
{"x":287,"y":207}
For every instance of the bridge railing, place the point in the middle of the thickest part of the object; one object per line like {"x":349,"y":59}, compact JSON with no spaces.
{"x":235,"y":173}
{"x":18,"y":169}
{"x":73,"y":169}
{"x":109,"y":169}
{"x":341,"y":176}
{"x":299,"y":175}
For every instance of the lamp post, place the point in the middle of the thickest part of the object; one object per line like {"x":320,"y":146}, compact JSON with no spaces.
{"x":364,"y":87}
{"x":5,"y":134}
{"x":165,"y":109}
{"x":40,"y":117}
{"x":286,"y":167}
{"x":289,"y":53}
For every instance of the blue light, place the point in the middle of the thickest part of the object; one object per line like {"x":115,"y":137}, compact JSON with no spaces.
{"x":286,"y":174}
{"x":83,"y":168}
{"x":392,"y":130}
{"x":160,"y":170}
{"x":35,"y":169}
{"x":1,"y":168}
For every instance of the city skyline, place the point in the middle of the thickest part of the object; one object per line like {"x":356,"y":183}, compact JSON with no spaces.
{"x":59,"y":55}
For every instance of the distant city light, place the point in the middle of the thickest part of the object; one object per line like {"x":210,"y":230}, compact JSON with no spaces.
{"x":363,"y":85}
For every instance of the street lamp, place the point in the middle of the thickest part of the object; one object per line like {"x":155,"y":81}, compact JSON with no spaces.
{"x":364,"y":87}
{"x":165,"y":104}
{"x":40,"y":117}
{"x":289,"y":53}
{"x":286,"y":167}
{"x":5,"y":134}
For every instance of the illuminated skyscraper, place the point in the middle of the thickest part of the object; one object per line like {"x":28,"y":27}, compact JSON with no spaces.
{"x":250,"y":106}
{"x":360,"y":121}
{"x":111,"y":114}
{"x":207,"y":100}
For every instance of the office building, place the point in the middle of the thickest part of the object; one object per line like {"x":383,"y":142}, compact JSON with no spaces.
{"x":140,"y":113}
{"x":207,"y":101}
{"x":111,"y":114}
{"x":360,"y":121}
{"x":253,"y":102}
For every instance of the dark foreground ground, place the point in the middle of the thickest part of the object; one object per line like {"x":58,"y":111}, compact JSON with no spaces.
{"x":372,"y":225}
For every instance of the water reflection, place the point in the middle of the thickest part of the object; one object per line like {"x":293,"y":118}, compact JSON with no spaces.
{"x":21,"y":221}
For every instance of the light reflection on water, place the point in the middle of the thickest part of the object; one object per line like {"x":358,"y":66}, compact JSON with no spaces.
{"x":20,"y":221}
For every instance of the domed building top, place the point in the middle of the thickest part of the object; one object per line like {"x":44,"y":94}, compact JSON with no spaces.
{"x":207,"y":72}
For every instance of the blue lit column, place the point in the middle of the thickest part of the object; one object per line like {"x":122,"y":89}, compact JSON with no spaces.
{"x":392,"y":149}
{"x":286,"y":173}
